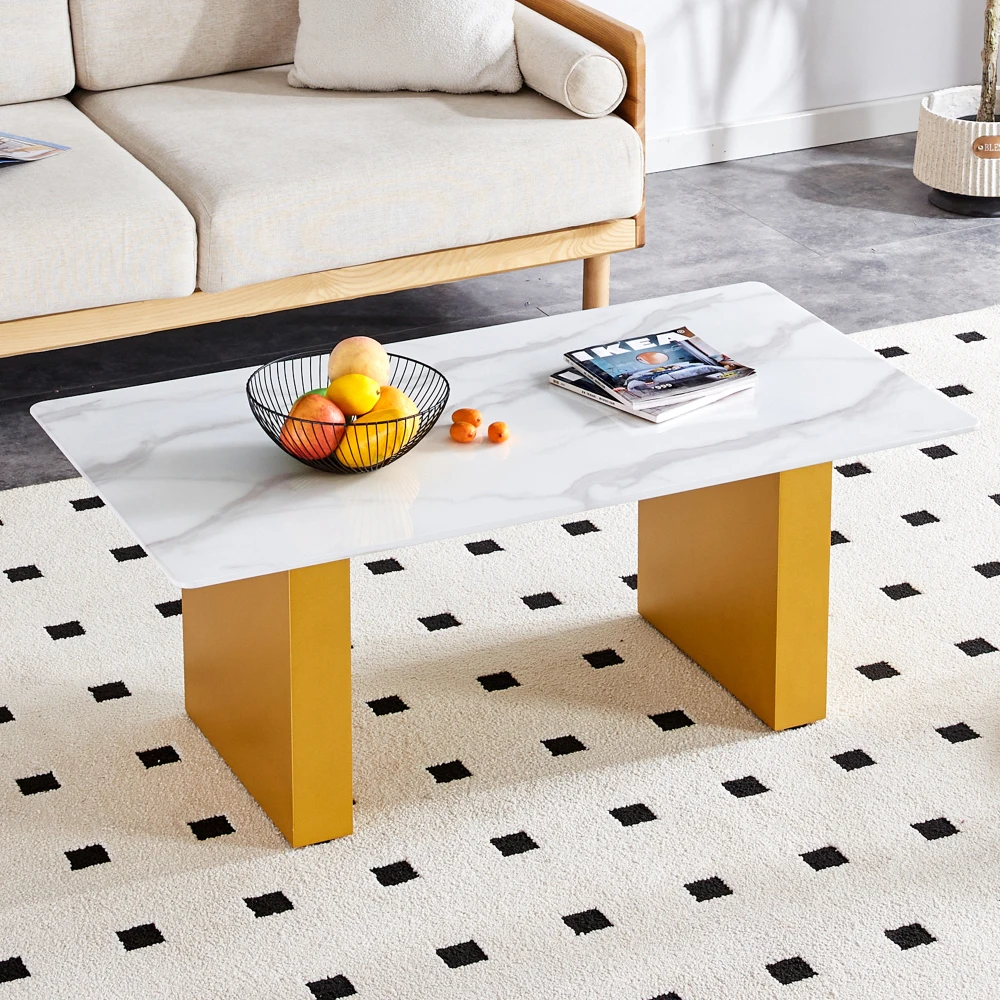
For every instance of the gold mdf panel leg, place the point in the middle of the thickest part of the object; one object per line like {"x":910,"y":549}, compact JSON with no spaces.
{"x":738,"y":577}
{"x":267,"y":672}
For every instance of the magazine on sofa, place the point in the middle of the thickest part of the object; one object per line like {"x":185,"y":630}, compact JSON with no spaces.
{"x":20,"y":149}
{"x":650,"y":371}
{"x":575,"y":381}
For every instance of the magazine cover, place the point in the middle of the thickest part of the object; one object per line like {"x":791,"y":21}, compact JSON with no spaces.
{"x":649,"y":371}
{"x":576,"y":382}
{"x":18,"y":149}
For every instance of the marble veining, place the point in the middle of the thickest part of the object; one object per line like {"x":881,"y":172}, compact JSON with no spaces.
{"x":185,"y":465}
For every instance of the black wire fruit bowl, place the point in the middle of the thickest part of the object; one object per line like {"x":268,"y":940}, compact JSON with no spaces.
{"x":359,"y":445}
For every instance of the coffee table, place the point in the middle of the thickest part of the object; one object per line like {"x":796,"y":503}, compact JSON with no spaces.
{"x":734,"y":516}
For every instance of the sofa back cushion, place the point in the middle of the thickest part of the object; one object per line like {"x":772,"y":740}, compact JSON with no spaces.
{"x":36,"y":54}
{"x":124,"y":43}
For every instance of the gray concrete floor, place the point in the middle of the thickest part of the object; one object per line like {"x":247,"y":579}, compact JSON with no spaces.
{"x":844,"y":230}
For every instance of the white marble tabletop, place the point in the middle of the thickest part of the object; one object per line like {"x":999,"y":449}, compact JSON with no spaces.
{"x":212,"y":499}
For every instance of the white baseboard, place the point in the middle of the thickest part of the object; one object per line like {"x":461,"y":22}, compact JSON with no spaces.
{"x":823,"y":127}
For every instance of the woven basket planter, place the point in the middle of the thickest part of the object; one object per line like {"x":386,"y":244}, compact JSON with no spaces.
{"x":960,"y":157}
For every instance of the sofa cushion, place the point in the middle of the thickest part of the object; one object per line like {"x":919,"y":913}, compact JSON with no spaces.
{"x":457,"y":46}
{"x":36,"y":53}
{"x":285,"y":181}
{"x":567,"y":67}
{"x":88,"y":227}
{"x":122,"y":43}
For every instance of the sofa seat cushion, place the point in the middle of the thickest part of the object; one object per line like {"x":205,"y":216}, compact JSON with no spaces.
{"x":285,"y":181}
{"x":88,"y":227}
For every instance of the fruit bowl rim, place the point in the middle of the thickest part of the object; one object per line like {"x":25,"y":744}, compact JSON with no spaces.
{"x":350,"y":420}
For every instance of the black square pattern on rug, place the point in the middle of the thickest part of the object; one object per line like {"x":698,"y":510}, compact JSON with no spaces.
{"x":631,"y":581}
{"x":499,"y":681}
{"x":334,"y":988}
{"x":38,"y":783}
{"x":910,"y":936}
{"x":110,"y":691}
{"x":851,"y":760}
{"x":211,"y":827}
{"x":434,"y":623}
{"x":976,"y":647}
{"x":970,"y":337}
{"x":897,"y":591}
{"x":938,"y":451}
{"x":67,"y":630}
{"x":587,"y":921}
{"x":13,"y":968}
{"x":559,"y":746}
{"x":87,"y":503}
{"x":6,"y":715}
{"x":603,"y":658}
{"x":169,"y":609}
{"x":483,"y":548}
{"x":87,"y":857}
{"x":919,"y":518}
{"x":877,"y":671}
{"x":395,"y":874}
{"x":391,"y":705}
{"x":453,"y":770}
{"x":17,"y":574}
{"x":141,"y":936}
{"x":825,"y":857}
{"x":955,"y":390}
{"x":891,"y":352}
{"x":958,"y":733}
{"x":129,"y":552}
{"x":853,"y":469}
{"x":634,"y":814}
{"x":514,"y":843}
{"x":464,"y":953}
{"x":580,"y":527}
{"x":935,"y":829}
{"x":666,"y":996}
{"x":988,"y":569}
{"x":538,"y":601}
{"x":158,"y":756}
{"x":268,"y":904}
{"x":675,"y":719}
{"x":744,"y":787}
{"x":381,"y":566}
{"x":838,"y":538}
{"x":708,"y":888}
{"x":791,"y":970}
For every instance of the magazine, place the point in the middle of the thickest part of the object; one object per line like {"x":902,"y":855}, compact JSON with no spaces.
{"x":575,"y":381}
{"x":19,"y":149}
{"x":648,"y":371}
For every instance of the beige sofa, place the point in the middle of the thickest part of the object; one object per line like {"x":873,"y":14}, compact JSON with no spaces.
{"x":201,"y":186}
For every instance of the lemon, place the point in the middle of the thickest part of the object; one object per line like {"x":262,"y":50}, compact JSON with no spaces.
{"x":354,"y":394}
{"x":376,"y":437}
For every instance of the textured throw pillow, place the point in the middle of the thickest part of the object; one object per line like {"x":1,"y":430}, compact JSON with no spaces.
{"x":456,"y":46}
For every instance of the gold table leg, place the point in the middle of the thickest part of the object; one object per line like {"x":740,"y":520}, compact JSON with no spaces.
{"x":738,"y":577}
{"x":267,"y":673}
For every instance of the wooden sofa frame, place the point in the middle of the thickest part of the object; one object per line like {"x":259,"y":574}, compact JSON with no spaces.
{"x":594,"y":244}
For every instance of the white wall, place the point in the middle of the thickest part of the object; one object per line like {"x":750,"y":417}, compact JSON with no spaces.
{"x":735,"y":77}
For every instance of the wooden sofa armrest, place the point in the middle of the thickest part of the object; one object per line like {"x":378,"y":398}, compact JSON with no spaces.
{"x":625,"y":43}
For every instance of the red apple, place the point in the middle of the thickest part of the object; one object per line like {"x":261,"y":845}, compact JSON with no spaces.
{"x":314,"y":427}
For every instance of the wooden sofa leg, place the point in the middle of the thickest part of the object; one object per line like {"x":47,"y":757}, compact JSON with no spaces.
{"x":597,"y":281}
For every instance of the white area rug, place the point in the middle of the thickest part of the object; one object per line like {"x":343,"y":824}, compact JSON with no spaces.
{"x":663,"y":844}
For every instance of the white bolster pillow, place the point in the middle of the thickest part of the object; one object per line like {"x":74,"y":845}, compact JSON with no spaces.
{"x":566,"y":67}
